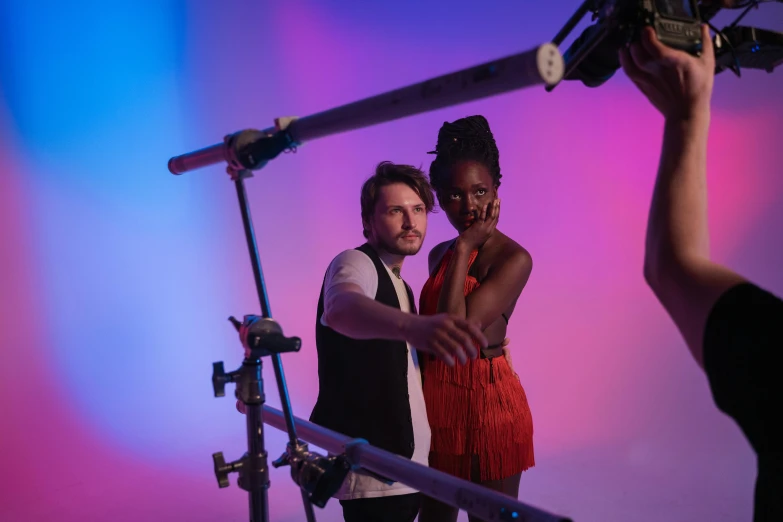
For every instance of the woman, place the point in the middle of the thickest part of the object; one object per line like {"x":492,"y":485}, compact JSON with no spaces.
{"x":482,"y":429}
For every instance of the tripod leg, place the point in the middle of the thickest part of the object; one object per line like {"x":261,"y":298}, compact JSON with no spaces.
{"x":258,"y":274}
{"x":259,"y":509}
{"x":256,"y":471}
{"x":308,"y":507}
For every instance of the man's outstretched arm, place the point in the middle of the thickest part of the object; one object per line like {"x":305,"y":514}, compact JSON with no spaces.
{"x":348,"y":311}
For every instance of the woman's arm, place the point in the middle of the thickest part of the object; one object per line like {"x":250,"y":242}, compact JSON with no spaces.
{"x":500,"y":288}
{"x":503,"y":284}
{"x":498,"y":291}
{"x":452,"y":295}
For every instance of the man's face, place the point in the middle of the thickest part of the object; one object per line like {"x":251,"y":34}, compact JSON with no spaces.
{"x":399,"y":222}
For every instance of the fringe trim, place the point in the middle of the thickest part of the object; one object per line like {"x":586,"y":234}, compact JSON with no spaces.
{"x":492,"y":421}
{"x":476,"y":409}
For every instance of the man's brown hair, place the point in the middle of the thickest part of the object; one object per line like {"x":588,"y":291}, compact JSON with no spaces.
{"x":388,"y":173}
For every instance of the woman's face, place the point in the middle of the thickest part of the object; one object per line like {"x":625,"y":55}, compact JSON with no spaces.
{"x":469,"y":188}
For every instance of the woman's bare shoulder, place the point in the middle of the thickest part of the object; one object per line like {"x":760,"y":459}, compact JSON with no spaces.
{"x":506,"y":250}
{"x":437,"y":253}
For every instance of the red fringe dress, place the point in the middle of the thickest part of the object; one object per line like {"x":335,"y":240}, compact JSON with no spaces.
{"x":477,"y":411}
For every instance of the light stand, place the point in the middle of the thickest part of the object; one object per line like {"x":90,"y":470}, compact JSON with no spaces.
{"x":318,"y":477}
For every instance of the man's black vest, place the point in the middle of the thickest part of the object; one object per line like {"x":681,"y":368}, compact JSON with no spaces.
{"x":363,"y":384}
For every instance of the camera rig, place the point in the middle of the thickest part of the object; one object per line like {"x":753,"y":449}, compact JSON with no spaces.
{"x":592,"y":58}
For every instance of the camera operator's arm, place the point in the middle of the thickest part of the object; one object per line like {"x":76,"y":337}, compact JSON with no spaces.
{"x":349,"y":310}
{"x":677,"y":265}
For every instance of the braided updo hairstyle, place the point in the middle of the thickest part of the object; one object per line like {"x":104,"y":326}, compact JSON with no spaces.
{"x":465,"y":139}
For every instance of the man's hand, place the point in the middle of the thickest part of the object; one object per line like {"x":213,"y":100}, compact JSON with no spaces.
{"x":445,"y":336}
{"x":677,"y":83}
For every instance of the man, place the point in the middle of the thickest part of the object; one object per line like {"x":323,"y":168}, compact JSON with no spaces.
{"x":366,"y":331}
{"x":733,"y":328}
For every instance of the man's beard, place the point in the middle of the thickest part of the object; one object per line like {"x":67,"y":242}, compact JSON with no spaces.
{"x":397,"y":249}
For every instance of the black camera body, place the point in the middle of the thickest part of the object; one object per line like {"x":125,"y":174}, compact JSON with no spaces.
{"x":593,"y":57}
{"x":676,"y":22}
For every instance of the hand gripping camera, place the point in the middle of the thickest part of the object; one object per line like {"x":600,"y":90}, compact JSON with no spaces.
{"x":593,"y":57}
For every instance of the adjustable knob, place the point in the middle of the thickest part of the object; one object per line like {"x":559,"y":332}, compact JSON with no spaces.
{"x":220,"y":378}
{"x":284,"y":460}
{"x":221,"y":469}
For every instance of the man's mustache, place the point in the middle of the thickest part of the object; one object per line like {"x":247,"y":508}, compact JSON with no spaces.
{"x":414,"y":232}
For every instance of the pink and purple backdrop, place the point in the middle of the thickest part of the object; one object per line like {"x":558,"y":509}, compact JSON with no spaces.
{"x":116,"y":277}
